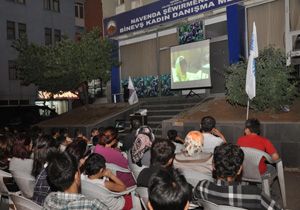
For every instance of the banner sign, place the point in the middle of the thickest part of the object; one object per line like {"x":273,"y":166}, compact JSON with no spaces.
{"x":159,"y":12}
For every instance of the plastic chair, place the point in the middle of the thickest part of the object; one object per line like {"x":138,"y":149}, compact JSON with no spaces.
{"x":23,"y":203}
{"x":142,"y":192}
{"x":111,"y":199}
{"x":251,"y":172}
{"x":194,"y":177}
{"x":3,"y":189}
{"x":25,"y":183}
{"x":207,"y":205}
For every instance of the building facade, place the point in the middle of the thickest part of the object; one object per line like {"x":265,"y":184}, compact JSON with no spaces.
{"x":44,"y":22}
{"x":145,"y":51}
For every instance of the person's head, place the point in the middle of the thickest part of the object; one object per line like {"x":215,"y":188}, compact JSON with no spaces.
{"x":62,"y":172}
{"x":94,"y":165}
{"x":162,"y":152}
{"x":78,"y":133}
{"x":55,"y":132}
{"x":182,"y":63}
{"x":135,"y":124}
{"x":193,"y":143}
{"x":94,"y":132}
{"x":146,"y":130}
{"x":172,"y":134}
{"x":3,"y":146}
{"x":169,"y":190}
{"x":207,"y":124}
{"x":78,"y":149}
{"x":109,"y":134}
{"x":252,"y":126}
{"x":227,"y":161}
{"x":43,"y":148}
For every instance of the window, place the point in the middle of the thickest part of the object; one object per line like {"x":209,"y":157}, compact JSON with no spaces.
{"x":11,"y":32}
{"x":19,"y":1}
{"x":55,"y":5}
{"x":48,"y":36}
{"x":57,"y":35}
{"x":79,"y":10}
{"x":22,"y":29}
{"x":12,"y":70}
{"x":52,"y":5}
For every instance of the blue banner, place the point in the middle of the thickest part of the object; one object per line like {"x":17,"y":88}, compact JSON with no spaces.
{"x":157,"y":13}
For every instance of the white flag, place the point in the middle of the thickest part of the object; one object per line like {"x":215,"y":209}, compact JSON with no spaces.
{"x":133,"y":98}
{"x":250,"y":78}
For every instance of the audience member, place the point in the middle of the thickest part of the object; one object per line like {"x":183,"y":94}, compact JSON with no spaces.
{"x":55,"y":133}
{"x":173,"y":136}
{"x":4,"y":153}
{"x":114,"y":156}
{"x":78,"y":148}
{"x":44,"y":147}
{"x":192,"y":157}
{"x":162,"y":155}
{"x":140,"y":152}
{"x":212,"y":136}
{"x":228,"y":160}
{"x":253,"y":139}
{"x":79,"y":135}
{"x":129,"y":138}
{"x":169,"y":190}
{"x":94,"y":132}
{"x":21,"y":160}
{"x":96,"y":173}
{"x":64,"y":175}
{"x":110,"y":135}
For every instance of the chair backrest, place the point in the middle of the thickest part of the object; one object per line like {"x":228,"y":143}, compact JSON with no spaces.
{"x":250,"y":165}
{"x":194,"y":177}
{"x":23,"y":203}
{"x":207,"y":205}
{"x":113,"y":200}
{"x":142,"y":192}
{"x":3,"y":188}
{"x":25,"y":183}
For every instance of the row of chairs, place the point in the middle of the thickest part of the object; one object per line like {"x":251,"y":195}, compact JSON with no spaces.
{"x":250,"y":174}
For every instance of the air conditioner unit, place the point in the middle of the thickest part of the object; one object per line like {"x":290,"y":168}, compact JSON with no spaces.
{"x":120,"y":9}
{"x":136,"y":4}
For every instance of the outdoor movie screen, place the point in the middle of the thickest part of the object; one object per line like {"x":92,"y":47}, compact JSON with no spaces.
{"x":190,"y":65}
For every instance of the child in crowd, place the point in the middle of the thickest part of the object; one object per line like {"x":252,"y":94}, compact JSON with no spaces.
{"x":95,"y":172}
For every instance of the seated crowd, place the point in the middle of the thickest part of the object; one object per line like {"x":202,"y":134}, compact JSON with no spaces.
{"x":60,"y":164}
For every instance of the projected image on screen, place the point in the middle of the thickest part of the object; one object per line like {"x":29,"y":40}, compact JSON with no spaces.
{"x":190,"y":65}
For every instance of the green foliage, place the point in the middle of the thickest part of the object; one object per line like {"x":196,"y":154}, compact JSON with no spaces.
{"x":67,"y":64}
{"x":276,"y":84}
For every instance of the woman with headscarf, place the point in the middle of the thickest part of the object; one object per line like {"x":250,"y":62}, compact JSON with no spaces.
{"x":192,"y":157}
{"x":140,"y":151}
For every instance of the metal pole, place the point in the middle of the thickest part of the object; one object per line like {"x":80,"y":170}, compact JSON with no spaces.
{"x":248,"y":104}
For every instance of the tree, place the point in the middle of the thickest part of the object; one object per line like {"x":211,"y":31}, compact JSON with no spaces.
{"x":276,"y":84}
{"x":65,"y":65}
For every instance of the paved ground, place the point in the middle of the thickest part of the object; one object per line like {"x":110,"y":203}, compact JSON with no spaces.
{"x":292,"y":181}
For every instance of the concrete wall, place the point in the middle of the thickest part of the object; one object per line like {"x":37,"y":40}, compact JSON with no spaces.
{"x":36,"y":19}
{"x":284,"y":135}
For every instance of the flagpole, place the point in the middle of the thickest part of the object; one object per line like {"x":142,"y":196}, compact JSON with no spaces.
{"x":248,"y":103}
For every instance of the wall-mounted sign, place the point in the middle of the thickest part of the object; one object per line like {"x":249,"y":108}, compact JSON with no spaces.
{"x":157,"y":13}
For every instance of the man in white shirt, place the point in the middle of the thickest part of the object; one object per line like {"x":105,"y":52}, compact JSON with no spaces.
{"x":212,"y":136}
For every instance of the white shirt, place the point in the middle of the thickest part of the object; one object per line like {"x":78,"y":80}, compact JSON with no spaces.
{"x":210,"y":142}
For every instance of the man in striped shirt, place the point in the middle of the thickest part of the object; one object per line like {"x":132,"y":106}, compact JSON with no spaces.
{"x":227,"y":163}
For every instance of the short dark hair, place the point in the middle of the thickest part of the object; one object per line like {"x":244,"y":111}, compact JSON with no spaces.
{"x":208,"y":123}
{"x":77,"y":148}
{"x":227,"y":160}
{"x":169,"y":190}
{"x":253,"y":125}
{"x":162,"y":151}
{"x":172,"y":134}
{"x":61,"y":170}
{"x":94,"y":164}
